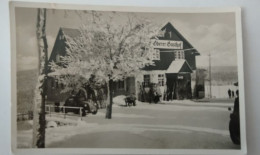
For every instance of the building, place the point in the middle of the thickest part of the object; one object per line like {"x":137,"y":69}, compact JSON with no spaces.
{"x":174,"y":63}
{"x":54,"y":88}
{"x":54,"y":94}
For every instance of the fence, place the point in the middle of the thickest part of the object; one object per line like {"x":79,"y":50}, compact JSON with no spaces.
{"x":62,"y":110}
{"x":50,"y":110}
{"x":25,"y":116}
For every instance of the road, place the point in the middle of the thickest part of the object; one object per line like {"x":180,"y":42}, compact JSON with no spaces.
{"x":166,"y":126}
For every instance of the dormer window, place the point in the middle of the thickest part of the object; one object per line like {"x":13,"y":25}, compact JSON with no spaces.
{"x":170,"y":34}
{"x":61,"y":37}
{"x":179,"y":54}
{"x":57,"y":58}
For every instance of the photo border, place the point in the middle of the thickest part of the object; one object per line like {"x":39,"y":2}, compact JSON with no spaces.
{"x":81,"y":6}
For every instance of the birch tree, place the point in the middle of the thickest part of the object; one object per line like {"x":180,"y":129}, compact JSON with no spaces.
{"x":108,"y":50}
{"x":39,"y":121}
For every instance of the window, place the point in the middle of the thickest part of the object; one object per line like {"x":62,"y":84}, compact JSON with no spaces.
{"x":57,"y":58}
{"x":179,"y":54}
{"x":121,"y":84}
{"x":170,"y":34}
{"x":146,"y":80}
{"x":156,"y":54}
{"x":56,"y":83}
{"x":61,"y":37}
{"x":161,"y":79}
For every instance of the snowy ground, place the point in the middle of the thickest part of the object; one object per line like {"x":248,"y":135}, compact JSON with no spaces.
{"x":183,"y":124}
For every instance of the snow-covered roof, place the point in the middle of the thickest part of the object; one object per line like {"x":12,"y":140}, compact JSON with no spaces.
{"x":179,"y":65}
{"x":70,"y":32}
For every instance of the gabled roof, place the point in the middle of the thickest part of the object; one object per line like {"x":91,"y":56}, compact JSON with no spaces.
{"x":70,"y":32}
{"x":179,"y":65}
{"x":166,"y":59}
{"x":180,"y":36}
{"x":59,"y":45}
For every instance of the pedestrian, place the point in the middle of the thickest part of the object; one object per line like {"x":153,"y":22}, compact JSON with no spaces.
{"x":233,"y":94}
{"x":234,"y":124}
{"x":157,"y":93}
{"x":151,"y":93}
{"x":229,"y":93}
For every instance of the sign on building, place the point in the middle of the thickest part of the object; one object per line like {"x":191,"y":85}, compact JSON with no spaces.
{"x":167,"y":44}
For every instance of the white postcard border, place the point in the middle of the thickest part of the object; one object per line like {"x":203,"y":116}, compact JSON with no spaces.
{"x":79,"y":6}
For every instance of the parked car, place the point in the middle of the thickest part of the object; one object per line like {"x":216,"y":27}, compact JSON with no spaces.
{"x":234,"y":129}
{"x":234,"y":123}
{"x":80,"y":100}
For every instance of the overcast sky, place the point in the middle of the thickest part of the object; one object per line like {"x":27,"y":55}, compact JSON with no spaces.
{"x":208,"y":32}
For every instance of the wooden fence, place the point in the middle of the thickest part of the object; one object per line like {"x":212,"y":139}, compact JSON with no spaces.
{"x":25,"y":116}
{"x":50,"y":110}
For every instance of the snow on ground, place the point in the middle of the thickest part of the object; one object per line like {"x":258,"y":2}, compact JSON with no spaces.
{"x":24,"y":139}
{"x":76,"y":126}
{"x":169,"y":106}
{"x":193,"y":103}
{"x":119,"y":100}
{"x":120,"y":115}
{"x":64,"y":132}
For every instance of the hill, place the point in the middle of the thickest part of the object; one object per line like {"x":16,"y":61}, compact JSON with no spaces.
{"x":26,"y":83}
{"x":222,"y":75}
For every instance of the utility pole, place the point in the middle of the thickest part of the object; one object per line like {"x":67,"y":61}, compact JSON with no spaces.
{"x":210,"y":76}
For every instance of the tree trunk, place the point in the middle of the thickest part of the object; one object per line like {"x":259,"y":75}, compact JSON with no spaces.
{"x":39,"y":121}
{"x":110,"y":99}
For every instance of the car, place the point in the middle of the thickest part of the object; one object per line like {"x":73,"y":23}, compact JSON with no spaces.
{"x":79,"y":100}
{"x":234,"y":129}
{"x":234,"y":123}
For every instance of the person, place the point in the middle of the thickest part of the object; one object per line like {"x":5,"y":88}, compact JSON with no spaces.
{"x":157,"y":93}
{"x":234,"y":125}
{"x":233,"y":94}
{"x":151,"y":93}
{"x":236,"y":104}
{"x":229,"y":93}
{"x":100,"y":98}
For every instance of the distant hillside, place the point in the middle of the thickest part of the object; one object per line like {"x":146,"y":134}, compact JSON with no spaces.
{"x":217,"y":69}
{"x":26,"y":83}
{"x":222,"y":75}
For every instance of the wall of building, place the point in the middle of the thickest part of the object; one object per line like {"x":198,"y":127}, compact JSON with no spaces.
{"x":153,"y":79}
{"x":54,"y":91}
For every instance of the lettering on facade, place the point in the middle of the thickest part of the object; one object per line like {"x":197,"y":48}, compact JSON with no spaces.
{"x":167,"y":44}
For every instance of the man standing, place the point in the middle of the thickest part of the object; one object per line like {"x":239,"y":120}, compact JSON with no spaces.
{"x":229,"y":93}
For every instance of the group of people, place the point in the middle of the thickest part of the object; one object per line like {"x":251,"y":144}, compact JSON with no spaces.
{"x":153,"y":95}
{"x":231,"y":93}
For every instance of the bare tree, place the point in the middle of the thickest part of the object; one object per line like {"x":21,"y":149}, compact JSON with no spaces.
{"x":39,"y":121}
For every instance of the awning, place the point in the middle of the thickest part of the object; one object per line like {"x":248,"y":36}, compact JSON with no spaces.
{"x":179,"y":66}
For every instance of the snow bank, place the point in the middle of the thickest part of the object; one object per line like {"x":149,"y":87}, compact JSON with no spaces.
{"x":119,"y":100}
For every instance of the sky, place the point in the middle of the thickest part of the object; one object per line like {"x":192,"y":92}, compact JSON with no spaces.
{"x":209,"y":33}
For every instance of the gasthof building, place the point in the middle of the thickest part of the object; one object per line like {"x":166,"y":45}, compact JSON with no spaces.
{"x":174,"y":65}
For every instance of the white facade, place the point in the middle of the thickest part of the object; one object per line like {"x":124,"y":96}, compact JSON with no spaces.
{"x":153,"y":79}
